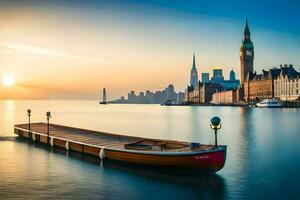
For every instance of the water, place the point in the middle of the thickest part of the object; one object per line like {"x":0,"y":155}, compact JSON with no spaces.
{"x":263,"y":157}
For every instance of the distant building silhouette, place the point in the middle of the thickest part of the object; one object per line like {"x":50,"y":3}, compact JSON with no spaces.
{"x":194,"y":74}
{"x":149,"y":97}
{"x":232,"y":76}
{"x":103,"y":96}
{"x":217,"y":76}
{"x":205,"y":77}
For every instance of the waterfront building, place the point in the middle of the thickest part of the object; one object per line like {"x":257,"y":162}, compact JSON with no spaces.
{"x":149,"y":97}
{"x":205,"y":77}
{"x":141,"y":98}
{"x":246,"y":54}
{"x":227,"y":97}
{"x":132,"y":98}
{"x":170,"y":93}
{"x":159,"y":97}
{"x":207,"y":91}
{"x":202,"y":94}
{"x":180,"y":97}
{"x":188,"y":94}
{"x":287,"y":84}
{"x":194,"y":74}
{"x":262,"y":86}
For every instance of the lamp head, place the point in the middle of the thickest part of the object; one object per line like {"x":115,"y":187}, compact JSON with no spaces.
{"x":28,"y":112}
{"x":48,"y":114}
{"x":215,"y":123}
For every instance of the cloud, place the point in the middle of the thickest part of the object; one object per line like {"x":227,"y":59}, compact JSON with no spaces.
{"x":48,"y":52}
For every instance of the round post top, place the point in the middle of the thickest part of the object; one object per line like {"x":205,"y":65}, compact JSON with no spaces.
{"x":215,"y":122}
{"x":48,"y":114}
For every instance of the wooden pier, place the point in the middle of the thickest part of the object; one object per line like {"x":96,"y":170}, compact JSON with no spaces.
{"x":126,"y":148}
{"x":76,"y":139}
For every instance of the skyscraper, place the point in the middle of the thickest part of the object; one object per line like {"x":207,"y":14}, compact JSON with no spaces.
{"x":232,"y":76}
{"x":246,"y":54}
{"x":194,"y":74}
{"x":205,"y":77}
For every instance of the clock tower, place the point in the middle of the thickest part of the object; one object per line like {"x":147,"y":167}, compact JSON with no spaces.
{"x":194,"y":74}
{"x":246,"y":54}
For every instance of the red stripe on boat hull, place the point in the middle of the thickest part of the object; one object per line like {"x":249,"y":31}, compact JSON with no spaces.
{"x":206,"y":161}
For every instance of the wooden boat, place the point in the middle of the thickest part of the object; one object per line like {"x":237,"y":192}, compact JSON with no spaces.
{"x":145,"y":151}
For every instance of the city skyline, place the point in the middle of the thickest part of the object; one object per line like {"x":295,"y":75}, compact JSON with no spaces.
{"x":54,"y":52}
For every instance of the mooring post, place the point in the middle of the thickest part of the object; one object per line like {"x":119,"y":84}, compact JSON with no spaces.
{"x":48,"y":114}
{"x":216,"y":138}
{"x":215,"y":125}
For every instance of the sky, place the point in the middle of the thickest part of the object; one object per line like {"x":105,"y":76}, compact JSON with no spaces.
{"x":72,"y":49}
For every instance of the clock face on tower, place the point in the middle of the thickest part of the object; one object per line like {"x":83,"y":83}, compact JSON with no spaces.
{"x":194,"y":74}
{"x":248,"y":53}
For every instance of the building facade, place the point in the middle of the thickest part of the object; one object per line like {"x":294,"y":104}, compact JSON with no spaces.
{"x":202,"y":94}
{"x":259,"y":86}
{"x":275,"y":82}
{"x":227,"y":97}
{"x":287,"y":85}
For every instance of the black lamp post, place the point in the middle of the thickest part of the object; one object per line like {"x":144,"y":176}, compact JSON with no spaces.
{"x":29,"y":115}
{"x":215,"y":124}
{"x":48,"y":114}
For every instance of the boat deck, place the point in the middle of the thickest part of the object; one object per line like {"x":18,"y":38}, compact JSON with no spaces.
{"x":108,"y":140}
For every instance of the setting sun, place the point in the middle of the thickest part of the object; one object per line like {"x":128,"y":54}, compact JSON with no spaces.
{"x":8,"y":81}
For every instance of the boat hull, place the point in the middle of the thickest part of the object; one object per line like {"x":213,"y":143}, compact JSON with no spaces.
{"x":211,"y":161}
{"x":163,"y":153}
{"x":269,"y":106}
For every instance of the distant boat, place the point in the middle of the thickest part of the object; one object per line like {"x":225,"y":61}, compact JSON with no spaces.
{"x":103,"y":97}
{"x":269,"y":103}
{"x":168,"y":103}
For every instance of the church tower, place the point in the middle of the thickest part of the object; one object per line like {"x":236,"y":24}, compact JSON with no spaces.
{"x":194,"y":74}
{"x":246,"y":54}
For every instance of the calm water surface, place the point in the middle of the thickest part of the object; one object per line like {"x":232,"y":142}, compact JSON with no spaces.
{"x":263,"y":159}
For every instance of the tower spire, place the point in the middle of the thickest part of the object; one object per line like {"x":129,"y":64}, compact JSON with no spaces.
{"x":246,"y":31}
{"x":194,"y":74}
{"x":194,"y":62}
